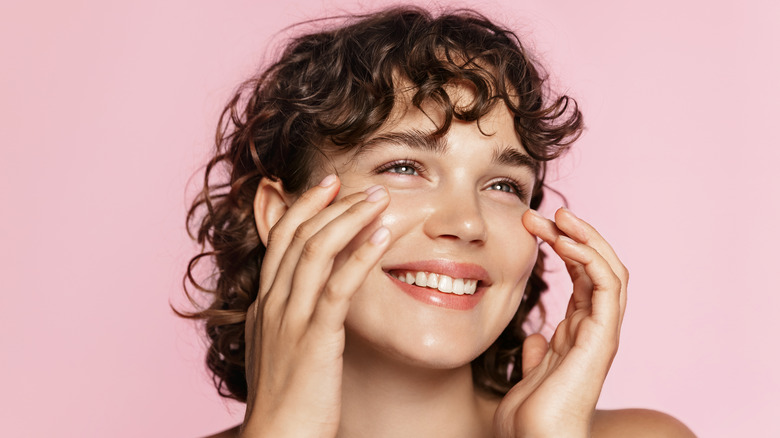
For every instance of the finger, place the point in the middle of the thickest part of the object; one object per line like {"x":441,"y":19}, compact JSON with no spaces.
{"x":540,"y":226}
{"x":333,"y":303}
{"x":316,"y":258}
{"x":281,"y":234}
{"x":546,"y":230}
{"x":585,"y":233}
{"x":534,"y":348}
{"x":582,"y":290}
{"x":606,"y":285}
{"x":281,"y":277}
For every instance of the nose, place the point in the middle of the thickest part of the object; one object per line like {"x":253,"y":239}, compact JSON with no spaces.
{"x":456,"y":215}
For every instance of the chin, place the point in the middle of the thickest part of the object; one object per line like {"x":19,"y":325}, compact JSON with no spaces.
{"x":426,"y":351}
{"x":423,"y":337}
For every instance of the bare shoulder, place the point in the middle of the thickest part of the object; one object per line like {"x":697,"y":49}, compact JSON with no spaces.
{"x":638,"y":423}
{"x":620,"y":423}
{"x":229,"y":433}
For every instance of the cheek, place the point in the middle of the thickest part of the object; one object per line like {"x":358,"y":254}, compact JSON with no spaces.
{"x":404,"y":211}
{"x":527,"y":250}
{"x":515,"y":250}
{"x":395,"y":217}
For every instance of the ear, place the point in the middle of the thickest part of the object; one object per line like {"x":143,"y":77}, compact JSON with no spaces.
{"x":271,"y":202}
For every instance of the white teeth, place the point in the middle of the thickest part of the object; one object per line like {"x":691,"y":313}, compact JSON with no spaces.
{"x":432,"y":281}
{"x":457,"y":286}
{"x":444,"y":283}
{"x":421,"y":279}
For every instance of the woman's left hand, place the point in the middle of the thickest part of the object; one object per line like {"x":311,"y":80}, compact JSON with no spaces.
{"x":562,"y":380}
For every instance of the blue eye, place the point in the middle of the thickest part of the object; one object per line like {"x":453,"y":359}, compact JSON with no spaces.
{"x":401,"y":167}
{"x":508,"y":186}
{"x":503,"y":187}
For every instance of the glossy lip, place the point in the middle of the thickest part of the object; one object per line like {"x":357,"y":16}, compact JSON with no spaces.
{"x":449,"y":268}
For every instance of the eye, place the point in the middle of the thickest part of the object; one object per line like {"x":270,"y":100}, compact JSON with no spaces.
{"x":508,"y":186}
{"x":401,"y":167}
{"x":502,"y":187}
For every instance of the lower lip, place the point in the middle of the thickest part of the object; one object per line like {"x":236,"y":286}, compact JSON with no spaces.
{"x":440,"y":299}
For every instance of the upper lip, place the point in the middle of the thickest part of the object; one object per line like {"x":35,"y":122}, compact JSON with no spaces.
{"x":449,"y":268}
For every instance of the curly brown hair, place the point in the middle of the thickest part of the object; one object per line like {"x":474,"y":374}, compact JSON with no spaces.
{"x":331,"y":90}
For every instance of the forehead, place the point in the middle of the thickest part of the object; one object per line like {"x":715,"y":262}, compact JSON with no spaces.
{"x":408,"y":123}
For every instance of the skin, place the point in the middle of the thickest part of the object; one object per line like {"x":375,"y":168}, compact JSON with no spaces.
{"x":336,"y":349}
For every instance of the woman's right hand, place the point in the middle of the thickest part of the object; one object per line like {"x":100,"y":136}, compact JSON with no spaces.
{"x":295,"y":329}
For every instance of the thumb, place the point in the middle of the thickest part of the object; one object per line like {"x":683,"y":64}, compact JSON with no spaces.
{"x":534,"y":348}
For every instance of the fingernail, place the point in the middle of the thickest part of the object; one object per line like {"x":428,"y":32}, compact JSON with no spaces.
{"x":566,"y":210}
{"x":372,"y":189}
{"x":376,"y":195}
{"x":380,"y":236}
{"x":328,"y":180}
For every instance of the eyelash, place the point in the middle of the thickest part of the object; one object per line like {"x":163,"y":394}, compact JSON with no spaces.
{"x":514,"y":185}
{"x":418,"y":169}
{"x":415,"y":166}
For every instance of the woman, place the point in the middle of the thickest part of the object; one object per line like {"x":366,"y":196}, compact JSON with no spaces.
{"x":376,"y":244}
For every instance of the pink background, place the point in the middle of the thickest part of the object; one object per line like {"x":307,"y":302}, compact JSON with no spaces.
{"x":107,"y":108}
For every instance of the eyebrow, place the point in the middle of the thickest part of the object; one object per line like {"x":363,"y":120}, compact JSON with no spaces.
{"x":510,"y":156}
{"x":416,"y":139}
{"x":413,"y":138}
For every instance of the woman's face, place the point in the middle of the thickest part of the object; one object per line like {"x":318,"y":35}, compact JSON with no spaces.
{"x":455,"y":217}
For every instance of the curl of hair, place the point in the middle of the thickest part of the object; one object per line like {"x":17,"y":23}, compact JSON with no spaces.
{"x":329,"y":91}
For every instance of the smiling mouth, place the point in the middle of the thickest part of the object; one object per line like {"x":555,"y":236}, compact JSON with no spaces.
{"x":442,"y":283}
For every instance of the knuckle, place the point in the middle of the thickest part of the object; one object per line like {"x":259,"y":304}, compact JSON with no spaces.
{"x":362,"y":254}
{"x":612,"y":281}
{"x":623,"y":274}
{"x":268,"y":316}
{"x":360,"y":257}
{"x":349,"y":200}
{"x":616,"y":281}
{"x":303,"y":232}
{"x":332,"y":293}
{"x":353,"y":210}
{"x":354,"y":197}
{"x":311,"y":248}
{"x":264,"y":308}
{"x":274,"y":233}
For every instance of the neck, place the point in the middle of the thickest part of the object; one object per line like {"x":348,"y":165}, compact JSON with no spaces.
{"x":383,"y":397}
